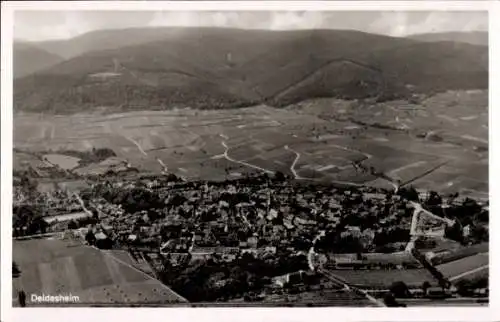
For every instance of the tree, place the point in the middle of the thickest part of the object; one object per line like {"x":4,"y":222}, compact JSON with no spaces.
{"x":37,"y":225}
{"x":464,"y":287}
{"x":399,"y":289}
{"x":172,"y":177}
{"x":409,"y":194}
{"x":72,"y":225}
{"x":434,"y":199}
{"x":15,"y":270}
{"x":279,"y":176}
{"x":348,"y":244}
{"x":22,"y":298}
{"x":479,"y":233}
{"x":390,"y":300}
{"x":425,"y":286}
{"x":90,"y":237}
{"x":454,"y":232}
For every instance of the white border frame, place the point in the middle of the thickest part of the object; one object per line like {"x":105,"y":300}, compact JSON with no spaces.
{"x":451,"y":314}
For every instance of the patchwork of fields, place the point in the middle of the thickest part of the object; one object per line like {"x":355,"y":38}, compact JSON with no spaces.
{"x":298,"y":141}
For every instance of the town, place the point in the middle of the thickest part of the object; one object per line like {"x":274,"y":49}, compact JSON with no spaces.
{"x":261,"y":237}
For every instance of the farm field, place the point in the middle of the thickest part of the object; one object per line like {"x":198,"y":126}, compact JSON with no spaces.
{"x":61,"y":267}
{"x":329,"y":297}
{"x":459,"y":252}
{"x":465,"y":265}
{"x":384,"y":278}
{"x":298,"y":140}
{"x":63,"y":161}
{"x":397,"y":258}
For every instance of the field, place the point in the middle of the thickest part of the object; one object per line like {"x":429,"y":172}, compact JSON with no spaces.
{"x":326,"y":297}
{"x":383,"y":279}
{"x":466,"y":267}
{"x":299,"y":141}
{"x":63,"y":161}
{"x":459,"y":252}
{"x":62,"y":267}
{"x":397,"y":258}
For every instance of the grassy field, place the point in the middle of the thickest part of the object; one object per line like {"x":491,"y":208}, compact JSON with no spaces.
{"x":62,"y":267}
{"x":299,"y":140}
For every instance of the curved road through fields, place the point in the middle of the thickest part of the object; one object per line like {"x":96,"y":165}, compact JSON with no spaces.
{"x":292,"y":167}
{"x":298,"y":177}
{"x":227,"y":157}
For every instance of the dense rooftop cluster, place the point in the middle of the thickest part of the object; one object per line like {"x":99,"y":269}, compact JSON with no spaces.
{"x":253,"y":229}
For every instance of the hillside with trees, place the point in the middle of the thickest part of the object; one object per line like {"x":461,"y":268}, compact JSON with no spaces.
{"x":28,"y":59}
{"x":212,"y":68}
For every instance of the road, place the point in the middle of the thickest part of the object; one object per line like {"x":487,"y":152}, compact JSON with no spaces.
{"x":468,"y":272}
{"x":311,"y":252}
{"x":348,"y":287}
{"x":227,"y":157}
{"x":139,"y":147}
{"x":294,"y":163}
{"x":162,"y":164}
{"x":82,"y":203}
{"x":298,"y":177}
{"x":419,"y":209}
{"x":407,"y":166}
{"x":366,"y":155}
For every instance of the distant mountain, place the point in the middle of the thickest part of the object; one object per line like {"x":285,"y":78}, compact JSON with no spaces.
{"x":474,"y":37}
{"x":111,"y":39}
{"x":28,"y":59}
{"x":224,"y":68}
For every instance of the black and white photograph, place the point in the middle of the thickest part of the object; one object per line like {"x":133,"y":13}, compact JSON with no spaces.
{"x":240,"y":158}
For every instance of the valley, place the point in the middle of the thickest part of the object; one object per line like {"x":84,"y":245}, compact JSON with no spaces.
{"x":315,"y":140}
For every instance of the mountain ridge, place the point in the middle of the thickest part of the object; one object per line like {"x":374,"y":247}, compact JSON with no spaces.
{"x":28,"y":59}
{"x":470,"y":37}
{"x":225,"y":68}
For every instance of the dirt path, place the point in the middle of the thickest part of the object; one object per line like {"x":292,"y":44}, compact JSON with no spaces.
{"x":227,"y":157}
{"x":294,"y":163}
{"x":351,"y":288}
{"x":407,"y":166}
{"x":139,"y":147}
{"x":468,"y":272}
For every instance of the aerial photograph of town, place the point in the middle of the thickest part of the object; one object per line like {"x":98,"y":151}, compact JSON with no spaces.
{"x":250,"y":159}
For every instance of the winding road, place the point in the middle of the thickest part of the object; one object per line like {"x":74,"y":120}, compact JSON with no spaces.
{"x":292,"y":167}
{"x":311,"y":252}
{"x":227,"y":157}
{"x":298,"y":177}
{"x":82,"y":203}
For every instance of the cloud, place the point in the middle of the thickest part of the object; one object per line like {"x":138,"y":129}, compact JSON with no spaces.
{"x":41,"y":25}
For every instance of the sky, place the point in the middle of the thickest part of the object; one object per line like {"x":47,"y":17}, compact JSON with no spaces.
{"x":46,"y":25}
